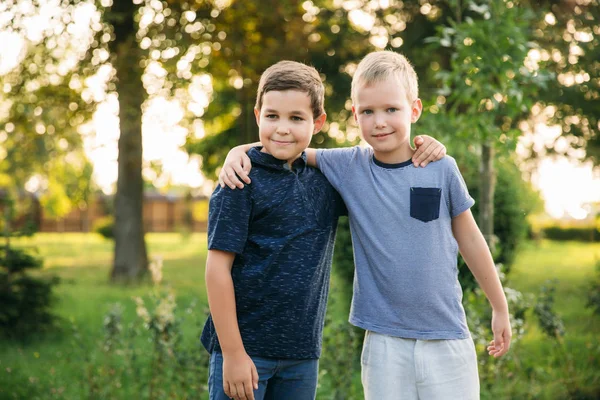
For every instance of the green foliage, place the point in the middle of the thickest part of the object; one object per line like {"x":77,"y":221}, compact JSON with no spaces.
{"x":246,"y":38}
{"x":171,"y":368}
{"x":550,"y":322}
{"x":593,"y":300}
{"x":105,"y":226}
{"x":50,"y":367}
{"x":563,"y":26}
{"x":514,"y":200}
{"x":479,"y":319}
{"x":486,"y":78}
{"x":44,"y":99}
{"x":340,"y":360}
{"x":26,"y":300}
{"x":582,"y":234}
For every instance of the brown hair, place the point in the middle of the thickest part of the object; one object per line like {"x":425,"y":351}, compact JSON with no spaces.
{"x":292,"y":75}
{"x":380,"y":65}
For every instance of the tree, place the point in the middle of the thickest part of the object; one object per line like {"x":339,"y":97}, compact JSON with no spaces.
{"x":486,"y":84}
{"x":244,"y":38}
{"x":44,"y":101}
{"x":130,"y":257}
{"x":568,"y":34}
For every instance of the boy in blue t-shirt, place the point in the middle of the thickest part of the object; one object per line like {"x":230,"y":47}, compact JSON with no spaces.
{"x":407,"y":226}
{"x":270,"y":251}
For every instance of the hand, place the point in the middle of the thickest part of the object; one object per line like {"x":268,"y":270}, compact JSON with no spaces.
{"x":502,"y":334}
{"x":428,"y":149}
{"x":239,"y":376}
{"x":237,"y":162}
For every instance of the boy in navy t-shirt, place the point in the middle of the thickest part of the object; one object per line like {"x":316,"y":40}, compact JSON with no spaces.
{"x":270,"y":250}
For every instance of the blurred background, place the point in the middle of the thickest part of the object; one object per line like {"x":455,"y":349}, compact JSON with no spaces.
{"x":115,"y":117}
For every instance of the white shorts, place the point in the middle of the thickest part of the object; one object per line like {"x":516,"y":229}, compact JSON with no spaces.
{"x":397,"y":368}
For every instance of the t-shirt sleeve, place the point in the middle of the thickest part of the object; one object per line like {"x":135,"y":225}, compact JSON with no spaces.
{"x":229,"y":214}
{"x":459,"y":198}
{"x":334,"y":164}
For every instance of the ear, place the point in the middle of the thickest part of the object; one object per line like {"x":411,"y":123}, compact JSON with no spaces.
{"x":417,"y":109}
{"x":354,"y":114}
{"x":319,"y":122}
{"x":257,"y":115}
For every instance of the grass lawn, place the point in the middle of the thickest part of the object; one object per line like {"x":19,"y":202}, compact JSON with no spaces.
{"x":53,"y":366}
{"x":544,"y":370}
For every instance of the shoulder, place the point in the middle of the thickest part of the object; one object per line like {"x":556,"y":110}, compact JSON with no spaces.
{"x":229,"y":195}
{"x":341,"y":153}
{"x":446,"y":165}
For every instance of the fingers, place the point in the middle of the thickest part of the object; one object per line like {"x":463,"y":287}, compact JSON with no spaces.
{"x":493,"y":350}
{"x":500,"y":345}
{"x":246,"y":167}
{"x":227,"y":389}
{"x":240,"y":392}
{"x":248,"y":392}
{"x":254,"y":377}
{"x":428,"y":150}
{"x":506,"y":336}
{"x":422,"y":154}
{"x":241,"y":174}
{"x":228,"y":177}
{"x":243,"y":390}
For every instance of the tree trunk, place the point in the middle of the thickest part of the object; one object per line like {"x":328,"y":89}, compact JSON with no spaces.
{"x":486,"y":197}
{"x":130,"y":258}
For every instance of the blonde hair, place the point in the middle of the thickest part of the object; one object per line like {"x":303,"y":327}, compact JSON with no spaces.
{"x":292,"y":75}
{"x":380,"y":65}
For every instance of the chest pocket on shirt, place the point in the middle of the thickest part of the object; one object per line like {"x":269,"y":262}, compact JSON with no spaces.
{"x":425,"y":203}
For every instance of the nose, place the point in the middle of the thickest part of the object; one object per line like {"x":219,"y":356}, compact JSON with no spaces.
{"x":283,"y":130}
{"x":380,"y":120}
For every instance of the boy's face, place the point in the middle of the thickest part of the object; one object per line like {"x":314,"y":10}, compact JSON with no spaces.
{"x":286,"y":124}
{"x":384,"y":116}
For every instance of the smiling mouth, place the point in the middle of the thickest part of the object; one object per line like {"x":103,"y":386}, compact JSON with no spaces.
{"x":280,"y":142}
{"x":379,"y":135}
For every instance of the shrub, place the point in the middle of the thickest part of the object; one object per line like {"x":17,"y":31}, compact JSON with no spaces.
{"x":26,"y":300}
{"x":105,"y":227}
{"x":593,"y":301}
{"x":579,"y":233}
{"x":146,"y":357}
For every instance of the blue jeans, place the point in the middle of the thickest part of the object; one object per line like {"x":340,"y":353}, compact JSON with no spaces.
{"x":277,"y":378}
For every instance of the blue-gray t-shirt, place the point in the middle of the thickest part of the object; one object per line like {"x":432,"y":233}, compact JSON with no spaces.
{"x":282,"y":228}
{"x":406,"y":281}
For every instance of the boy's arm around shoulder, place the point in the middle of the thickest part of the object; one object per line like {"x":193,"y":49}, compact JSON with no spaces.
{"x":476,"y":254}
{"x":237,"y":166}
{"x":239,"y":372}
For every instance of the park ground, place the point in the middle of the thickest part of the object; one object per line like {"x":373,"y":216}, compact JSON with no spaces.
{"x":61,"y":365}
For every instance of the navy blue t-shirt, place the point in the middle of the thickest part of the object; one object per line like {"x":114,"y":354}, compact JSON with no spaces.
{"x":282,"y":229}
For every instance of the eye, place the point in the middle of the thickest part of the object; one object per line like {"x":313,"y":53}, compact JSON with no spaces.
{"x":296,"y":118}
{"x":392,"y":109}
{"x":367,"y":112}
{"x":271,"y":116}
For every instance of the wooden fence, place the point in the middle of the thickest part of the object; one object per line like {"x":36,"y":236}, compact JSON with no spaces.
{"x":162,"y":213}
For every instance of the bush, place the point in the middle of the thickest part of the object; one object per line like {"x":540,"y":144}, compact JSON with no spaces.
{"x":582,"y":234}
{"x":26,"y":300}
{"x":593,"y":301}
{"x":105,"y":227}
{"x":147,"y":358}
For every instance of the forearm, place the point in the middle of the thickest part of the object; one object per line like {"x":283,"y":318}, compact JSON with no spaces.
{"x":221,"y":300}
{"x":474,"y":250}
{"x":476,"y":254}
